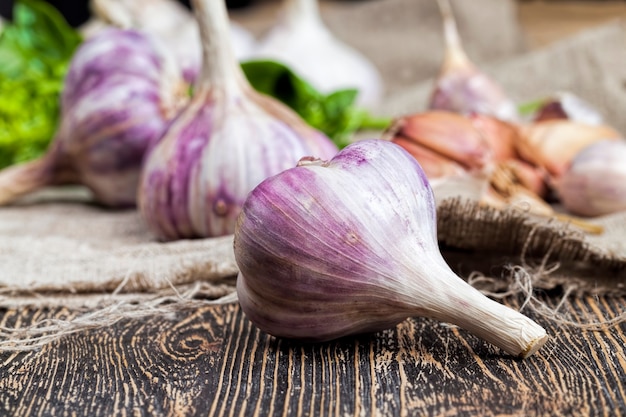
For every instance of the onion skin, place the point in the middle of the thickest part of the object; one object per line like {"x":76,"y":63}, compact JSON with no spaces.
{"x":347,"y":246}
{"x":595,"y":182}
{"x":120,"y":93}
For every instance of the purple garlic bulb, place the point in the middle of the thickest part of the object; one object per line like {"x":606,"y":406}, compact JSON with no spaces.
{"x":119,"y":94}
{"x":173,"y":24}
{"x":461,"y":87}
{"x":226,"y":141}
{"x":345,"y":246}
{"x":594,"y":183}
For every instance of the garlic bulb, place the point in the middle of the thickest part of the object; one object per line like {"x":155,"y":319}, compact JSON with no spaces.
{"x":173,"y":24}
{"x":346,"y":246}
{"x":594,"y":184}
{"x":302,"y":41}
{"x":463,"y":88}
{"x":226,"y":141}
{"x":552,"y":144}
{"x":120,"y":92}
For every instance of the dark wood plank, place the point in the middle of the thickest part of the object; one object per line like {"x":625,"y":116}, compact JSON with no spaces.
{"x":212,"y":361}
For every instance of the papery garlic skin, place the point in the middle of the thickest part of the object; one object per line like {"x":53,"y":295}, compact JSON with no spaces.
{"x":225,"y":142}
{"x":346,"y":246}
{"x":197,"y":178}
{"x":302,"y":41}
{"x":594,"y":184}
{"x":119,"y":94}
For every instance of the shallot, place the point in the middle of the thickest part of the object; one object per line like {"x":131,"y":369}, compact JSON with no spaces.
{"x":120,"y":92}
{"x":333,"y":248}
{"x":226,"y":141}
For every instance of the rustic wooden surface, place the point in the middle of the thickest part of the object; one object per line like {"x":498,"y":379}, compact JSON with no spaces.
{"x":213,"y":362}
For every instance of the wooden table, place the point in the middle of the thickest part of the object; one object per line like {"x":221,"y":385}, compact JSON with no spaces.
{"x":212,"y":362}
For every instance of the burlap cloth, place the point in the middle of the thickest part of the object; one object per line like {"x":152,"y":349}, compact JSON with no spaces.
{"x":57,"y":248}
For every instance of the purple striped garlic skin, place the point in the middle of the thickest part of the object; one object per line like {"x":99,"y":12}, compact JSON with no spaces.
{"x":346,"y":246}
{"x":198,"y":176}
{"x":466,"y":90}
{"x":120,"y":92}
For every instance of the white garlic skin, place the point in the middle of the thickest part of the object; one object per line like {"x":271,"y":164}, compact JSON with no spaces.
{"x":595,"y":182}
{"x":329,"y":249}
{"x":302,"y":42}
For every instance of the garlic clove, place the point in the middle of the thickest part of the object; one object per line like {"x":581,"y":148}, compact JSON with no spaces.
{"x":461,"y":87}
{"x":226,"y":141}
{"x":433,"y":164}
{"x":565,"y":105}
{"x":528,"y":176}
{"x":594,"y":184}
{"x":119,"y":94}
{"x":300,"y":40}
{"x":450,"y":135}
{"x":552,"y":144}
{"x":346,"y":246}
{"x":499,"y":134}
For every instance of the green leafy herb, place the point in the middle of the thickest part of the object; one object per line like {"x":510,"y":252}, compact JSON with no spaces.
{"x":531,"y":107}
{"x":334,"y":114}
{"x":35,"y":50}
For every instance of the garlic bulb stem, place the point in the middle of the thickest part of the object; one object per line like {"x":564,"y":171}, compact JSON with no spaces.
{"x":302,"y":11}
{"x":455,"y":54}
{"x":220,"y":68}
{"x":22,"y":179}
{"x":455,"y":301}
{"x":19,"y":180}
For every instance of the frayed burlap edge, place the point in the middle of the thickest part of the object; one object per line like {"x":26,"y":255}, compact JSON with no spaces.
{"x":554,"y":252}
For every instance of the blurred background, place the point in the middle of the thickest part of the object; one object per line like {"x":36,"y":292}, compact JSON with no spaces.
{"x":543,"y":21}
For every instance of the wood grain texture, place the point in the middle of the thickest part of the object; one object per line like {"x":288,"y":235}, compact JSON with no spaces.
{"x":213,"y":362}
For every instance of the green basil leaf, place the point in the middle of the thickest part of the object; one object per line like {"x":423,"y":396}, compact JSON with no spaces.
{"x":334,"y":114}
